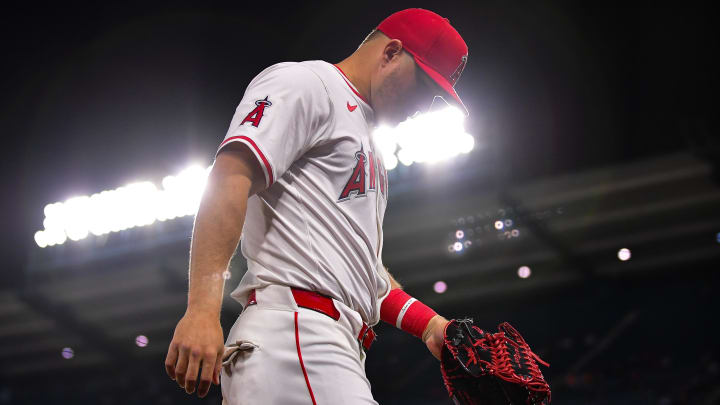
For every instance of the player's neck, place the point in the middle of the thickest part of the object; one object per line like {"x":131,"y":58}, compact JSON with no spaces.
{"x":356,"y":75}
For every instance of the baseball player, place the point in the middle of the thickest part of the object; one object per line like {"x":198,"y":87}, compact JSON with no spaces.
{"x":300,"y":180}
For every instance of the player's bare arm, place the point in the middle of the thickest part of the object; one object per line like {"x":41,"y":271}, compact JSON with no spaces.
{"x":198,"y":345}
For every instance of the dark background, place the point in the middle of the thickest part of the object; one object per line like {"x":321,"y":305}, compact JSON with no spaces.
{"x":96,"y":95}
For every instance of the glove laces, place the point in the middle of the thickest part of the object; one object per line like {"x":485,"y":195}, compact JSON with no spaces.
{"x":535,"y":382}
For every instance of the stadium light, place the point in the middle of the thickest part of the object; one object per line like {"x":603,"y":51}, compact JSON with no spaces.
{"x":130,"y":206}
{"x":440,"y":287}
{"x":141,"y":340}
{"x":624,"y":254}
{"x":425,"y":138}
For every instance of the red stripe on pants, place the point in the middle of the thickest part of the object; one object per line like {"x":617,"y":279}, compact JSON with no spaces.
{"x":302,"y":365}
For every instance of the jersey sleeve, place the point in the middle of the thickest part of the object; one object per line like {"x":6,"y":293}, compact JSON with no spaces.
{"x":283,"y":113}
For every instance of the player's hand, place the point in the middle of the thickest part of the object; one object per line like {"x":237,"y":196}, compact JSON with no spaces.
{"x":434,"y":335}
{"x":196,"y":347}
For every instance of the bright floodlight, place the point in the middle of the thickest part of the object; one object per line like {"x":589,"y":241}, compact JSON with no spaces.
{"x":430,"y":137}
{"x":457,"y":246}
{"x":40,"y":239}
{"x":133,"y":205}
{"x":524,"y":272}
{"x":624,"y":254}
{"x":459,"y":234}
{"x":499,"y":225}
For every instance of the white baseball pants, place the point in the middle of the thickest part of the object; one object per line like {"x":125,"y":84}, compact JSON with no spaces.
{"x":279,"y":353}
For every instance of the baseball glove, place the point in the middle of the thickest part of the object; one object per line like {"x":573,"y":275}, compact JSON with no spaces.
{"x":483,"y":368}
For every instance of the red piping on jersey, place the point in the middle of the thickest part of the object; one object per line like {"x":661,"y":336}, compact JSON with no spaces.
{"x":297,"y":344}
{"x":262,"y":156}
{"x":344,"y":76}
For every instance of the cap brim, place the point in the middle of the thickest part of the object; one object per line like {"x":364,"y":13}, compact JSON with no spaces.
{"x":444,"y":84}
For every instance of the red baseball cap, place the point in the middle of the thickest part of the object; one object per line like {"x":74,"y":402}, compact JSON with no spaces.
{"x":434,"y":44}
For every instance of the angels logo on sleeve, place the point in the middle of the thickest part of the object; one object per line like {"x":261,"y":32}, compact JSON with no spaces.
{"x":256,"y":114}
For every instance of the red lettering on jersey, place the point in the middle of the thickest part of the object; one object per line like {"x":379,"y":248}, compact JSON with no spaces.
{"x":256,"y":115}
{"x":372,"y":171}
{"x":357,"y":179}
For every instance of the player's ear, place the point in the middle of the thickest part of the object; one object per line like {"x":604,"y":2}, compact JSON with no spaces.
{"x":392,"y":51}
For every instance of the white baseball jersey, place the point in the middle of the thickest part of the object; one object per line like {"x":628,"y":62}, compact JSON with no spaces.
{"x":318,"y":224}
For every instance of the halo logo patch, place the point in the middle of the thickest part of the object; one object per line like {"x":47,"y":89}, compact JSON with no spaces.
{"x":256,"y":115}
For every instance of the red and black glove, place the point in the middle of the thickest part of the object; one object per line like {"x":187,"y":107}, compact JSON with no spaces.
{"x":483,"y":368}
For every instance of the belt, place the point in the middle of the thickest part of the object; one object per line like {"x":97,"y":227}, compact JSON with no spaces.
{"x":325,"y":305}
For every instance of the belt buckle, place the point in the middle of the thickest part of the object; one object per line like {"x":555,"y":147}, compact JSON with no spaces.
{"x":365,"y":333}
{"x":252,"y":300}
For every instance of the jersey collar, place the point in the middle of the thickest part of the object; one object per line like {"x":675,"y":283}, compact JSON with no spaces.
{"x":365,"y":105}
